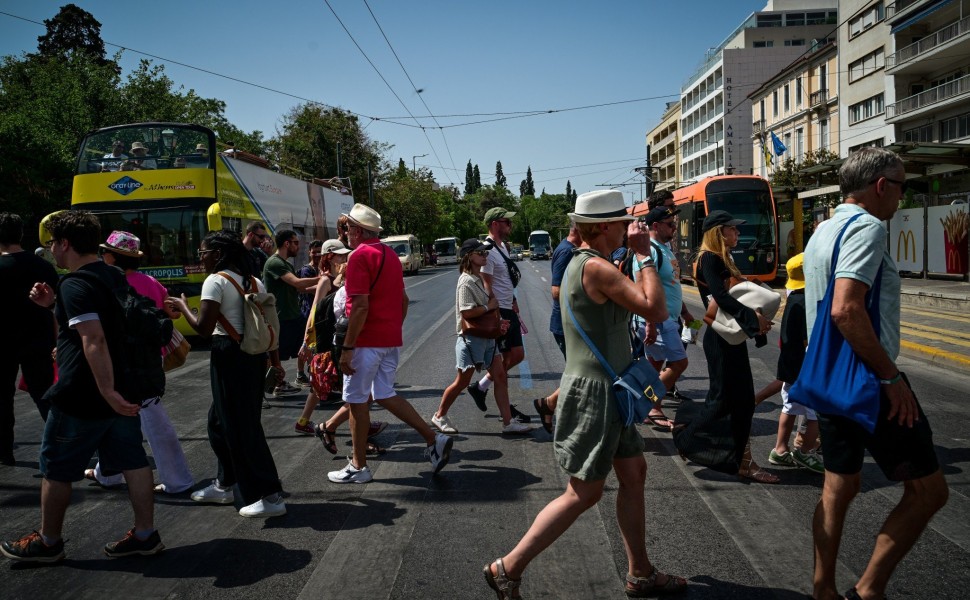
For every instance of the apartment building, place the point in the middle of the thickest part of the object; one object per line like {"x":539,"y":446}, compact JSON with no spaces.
{"x":800,"y":105}
{"x":716,"y":114}
{"x":663,"y":143}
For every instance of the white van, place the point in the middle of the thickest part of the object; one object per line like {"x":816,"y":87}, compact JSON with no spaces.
{"x":408,"y":249}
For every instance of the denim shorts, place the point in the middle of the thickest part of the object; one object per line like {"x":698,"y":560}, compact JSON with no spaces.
{"x":70,"y":442}
{"x":473,"y":353}
{"x":668,"y":346}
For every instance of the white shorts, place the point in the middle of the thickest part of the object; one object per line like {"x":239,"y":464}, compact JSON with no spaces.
{"x":794,"y":408}
{"x":374,"y":372}
{"x":668,"y":346}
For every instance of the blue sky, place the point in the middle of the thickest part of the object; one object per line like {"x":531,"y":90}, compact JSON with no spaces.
{"x":468,"y":58}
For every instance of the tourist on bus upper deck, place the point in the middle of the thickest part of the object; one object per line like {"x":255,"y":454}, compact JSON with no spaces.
{"x":716,"y":435}
{"x":138,"y":162}
{"x":118,"y":154}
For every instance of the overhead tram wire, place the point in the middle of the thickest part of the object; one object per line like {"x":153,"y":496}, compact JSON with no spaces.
{"x":414,"y":87}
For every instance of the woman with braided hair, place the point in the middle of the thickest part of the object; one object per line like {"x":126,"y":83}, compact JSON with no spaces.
{"x":235,"y":431}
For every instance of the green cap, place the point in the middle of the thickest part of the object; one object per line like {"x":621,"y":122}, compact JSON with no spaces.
{"x":497,"y":213}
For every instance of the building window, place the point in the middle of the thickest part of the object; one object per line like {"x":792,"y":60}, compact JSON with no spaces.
{"x":764,"y":44}
{"x":872,"y":144}
{"x":800,"y":42}
{"x":815,"y":18}
{"x":769,"y":21}
{"x":867,"y":65}
{"x":795,"y":19}
{"x":798,"y":91}
{"x":823,"y":134}
{"x":923,"y":133}
{"x":866,"y":19}
{"x":799,"y":144}
{"x":866,"y":109}
{"x":954,"y":128}
{"x":774,"y":103}
{"x":763,"y":114}
{"x":787,"y":98}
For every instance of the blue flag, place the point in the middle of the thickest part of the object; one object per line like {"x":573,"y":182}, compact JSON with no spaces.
{"x":779,"y":147}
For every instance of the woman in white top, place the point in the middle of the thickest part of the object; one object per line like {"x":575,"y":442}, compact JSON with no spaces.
{"x":235,"y":431}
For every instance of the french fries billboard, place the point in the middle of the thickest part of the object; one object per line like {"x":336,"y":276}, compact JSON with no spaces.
{"x":947,"y":228}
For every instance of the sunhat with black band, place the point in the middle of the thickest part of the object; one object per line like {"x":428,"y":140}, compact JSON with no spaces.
{"x":365,"y":216}
{"x":717,"y":218}
{"x":601,"y":206}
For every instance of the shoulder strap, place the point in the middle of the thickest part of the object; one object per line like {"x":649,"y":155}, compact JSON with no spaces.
{"x":599,"y":356}
{"x":873,"y":293}
{"x":660,"y":254}
{"x":233,"y":334}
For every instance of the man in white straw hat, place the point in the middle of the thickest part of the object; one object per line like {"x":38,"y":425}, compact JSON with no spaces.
{"x":377,"y":305}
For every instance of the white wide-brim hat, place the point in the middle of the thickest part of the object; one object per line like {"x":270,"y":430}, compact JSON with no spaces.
{"x":365,"y":216}
{"x":600,"y":207}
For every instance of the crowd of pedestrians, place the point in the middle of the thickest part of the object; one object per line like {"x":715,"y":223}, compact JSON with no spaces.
{"x":616,"y":298}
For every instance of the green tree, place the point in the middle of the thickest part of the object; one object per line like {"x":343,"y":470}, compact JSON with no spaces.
{"x":402,"y":170}
{"x":477,"y":178}
{"x":74,"y":30}
{"x":530,"y":185}
{"x":500,"y":180}
{"x":787,"y":173}
{"x":569,"y":190}
{"x":412,"y":205}
{"x":469,"y":178}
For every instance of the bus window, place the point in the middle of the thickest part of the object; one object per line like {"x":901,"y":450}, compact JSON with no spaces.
{"x":168,"y":237}
{"x":167,"y":146}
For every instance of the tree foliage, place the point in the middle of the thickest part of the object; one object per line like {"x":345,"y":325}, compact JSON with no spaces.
{"x":500,"y":180}
{"x":528,"y":186}
{"x":787,"y":173}
{"x":73,"y":30}
{"x":469,"y":178}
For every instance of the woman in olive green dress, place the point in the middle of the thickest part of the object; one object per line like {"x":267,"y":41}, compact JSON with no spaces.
{"x":590,"y":439}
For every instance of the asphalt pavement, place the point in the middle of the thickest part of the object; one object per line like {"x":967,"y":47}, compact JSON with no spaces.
{"x":410,"y":534}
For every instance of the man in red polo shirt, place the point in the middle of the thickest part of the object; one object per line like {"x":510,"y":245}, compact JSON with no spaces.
{"x":377,"y":305}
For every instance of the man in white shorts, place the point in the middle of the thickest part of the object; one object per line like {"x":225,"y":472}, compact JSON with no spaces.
{"x":662,"y":340}
{"x":377,"y":305}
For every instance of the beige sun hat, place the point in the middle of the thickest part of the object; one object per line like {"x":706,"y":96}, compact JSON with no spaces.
{"x":365,"y":216}
{"x":601,"y":206}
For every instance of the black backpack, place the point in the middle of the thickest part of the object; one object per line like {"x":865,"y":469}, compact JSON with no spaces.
{"x":146,"y":329}
{"x":324,"y":323}
{"x":626,"y":265}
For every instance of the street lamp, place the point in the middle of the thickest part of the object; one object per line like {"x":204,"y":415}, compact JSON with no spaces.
{"x":414,"y":168}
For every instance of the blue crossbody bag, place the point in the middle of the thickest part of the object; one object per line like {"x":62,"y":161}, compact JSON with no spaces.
{"x":833,"y":379}
{"x":636,"y":389}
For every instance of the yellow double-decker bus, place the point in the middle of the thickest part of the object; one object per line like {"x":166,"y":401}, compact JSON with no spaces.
{"x":168,"y":184}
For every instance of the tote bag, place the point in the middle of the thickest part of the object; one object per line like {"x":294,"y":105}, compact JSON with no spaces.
{"x":833,"y":379}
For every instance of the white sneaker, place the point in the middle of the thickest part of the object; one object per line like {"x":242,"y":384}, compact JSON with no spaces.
{"x":516,"y":427}
{"x":214,"y":494}
{"x":350,"y":474}
{"x":443,"y":423}
{"x":439,"y":452}
{"x":264,"y":508}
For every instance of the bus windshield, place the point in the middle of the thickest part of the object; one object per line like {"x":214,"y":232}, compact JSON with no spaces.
{"x":754,"y":207}
{"x":145,"y":147}
{"x":169,"y":237}
{"x":401,"y":248}
{"x":445,"y":247}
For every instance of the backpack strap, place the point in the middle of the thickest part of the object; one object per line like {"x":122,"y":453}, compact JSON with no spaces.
{"x":660,"y":254}
{"x":233,"y":334}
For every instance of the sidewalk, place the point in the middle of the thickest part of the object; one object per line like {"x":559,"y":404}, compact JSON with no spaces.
{"x":937,"y":293}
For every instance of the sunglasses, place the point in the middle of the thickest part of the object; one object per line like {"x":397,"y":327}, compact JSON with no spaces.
{"x":481,"y":252}
{"x":202,"y":253}
{"x":903,"y":185}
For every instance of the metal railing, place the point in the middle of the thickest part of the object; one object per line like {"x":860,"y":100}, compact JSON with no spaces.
{"x":954,"y":30}
{"x":818,"y":97}
{"x":899,"y":6}
{"x":930,"y":97}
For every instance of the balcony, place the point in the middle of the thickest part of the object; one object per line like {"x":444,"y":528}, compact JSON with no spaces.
{"x":939,"y":44}
{"x":898,"y":7}
{"x":931,"y":98}
{"x":817,"y":98}
{"x":757,"y":128}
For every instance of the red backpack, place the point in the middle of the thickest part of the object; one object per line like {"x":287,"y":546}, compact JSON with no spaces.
{"x":323,"y":375}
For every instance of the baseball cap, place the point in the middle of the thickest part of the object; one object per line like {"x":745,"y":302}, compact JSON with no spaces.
{"x":718,"y":218}
{"x":496,"y":213}
{"x":472,"y":244}
{"x":334,"y":246}
{"x":659,"y":214}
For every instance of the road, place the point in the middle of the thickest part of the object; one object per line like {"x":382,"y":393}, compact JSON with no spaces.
{"x":409,"y":534}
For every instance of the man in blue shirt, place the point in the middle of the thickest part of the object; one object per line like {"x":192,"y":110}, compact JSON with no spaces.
{"x":873,"y":182}
{"x":561,"y":256}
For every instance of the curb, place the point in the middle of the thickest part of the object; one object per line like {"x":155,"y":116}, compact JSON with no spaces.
{"x":935,"y":355}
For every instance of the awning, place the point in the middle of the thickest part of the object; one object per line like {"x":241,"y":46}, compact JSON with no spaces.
{"x":828,"y":189}
{"x":920,"y":16}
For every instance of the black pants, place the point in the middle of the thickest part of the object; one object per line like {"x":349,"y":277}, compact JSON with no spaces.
{"x":235,"y":430}
{"x":718,"y":431}
{"x":38,"y":371}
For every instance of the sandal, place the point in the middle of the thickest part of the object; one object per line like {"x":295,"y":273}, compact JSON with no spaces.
{"x":505,"y":588}
{"x":327,"y":438}
{"x":545,"y":413}
{"x":373,"y":448}
{"x":751,"y":470}
{"x":660,"y":421}
{"x":644,"y":587}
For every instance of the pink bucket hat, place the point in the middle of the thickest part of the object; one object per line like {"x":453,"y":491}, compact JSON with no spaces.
{"x":124,"y":243}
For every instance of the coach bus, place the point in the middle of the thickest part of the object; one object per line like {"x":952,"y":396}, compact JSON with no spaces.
{"x":540,"y":245}
{"x":447,"y":250}
{"x":745,"y":197}
{"x":169,"y":186}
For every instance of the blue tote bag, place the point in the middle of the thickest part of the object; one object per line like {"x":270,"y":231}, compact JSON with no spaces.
{"x":833,"y":379}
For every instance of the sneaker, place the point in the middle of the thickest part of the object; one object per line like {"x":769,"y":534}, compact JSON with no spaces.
{"x":309,"y":429}
{"x":130,"y":545}
{"x":269,"y":380}
{"x":808,"y":460}
{"x":266,"y":404}
{"x":785,"y":459}
{"x":675,"y":394}
{"x":351,"y":474}
{"x":439,"y":452}
{"x":478,"y":396}
{"x":285,"y":389}
{"x":301,"y":380}
{"x":516,"y":427}
{"x":518,"y":416}
{"x":31,"y":548}
{"x":376,"y":427}
{"x":443,"y":424}
{"x":264,"y":507}
{"x":214,"y":494}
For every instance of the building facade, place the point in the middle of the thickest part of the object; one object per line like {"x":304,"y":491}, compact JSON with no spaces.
{"x":663,"y":143}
